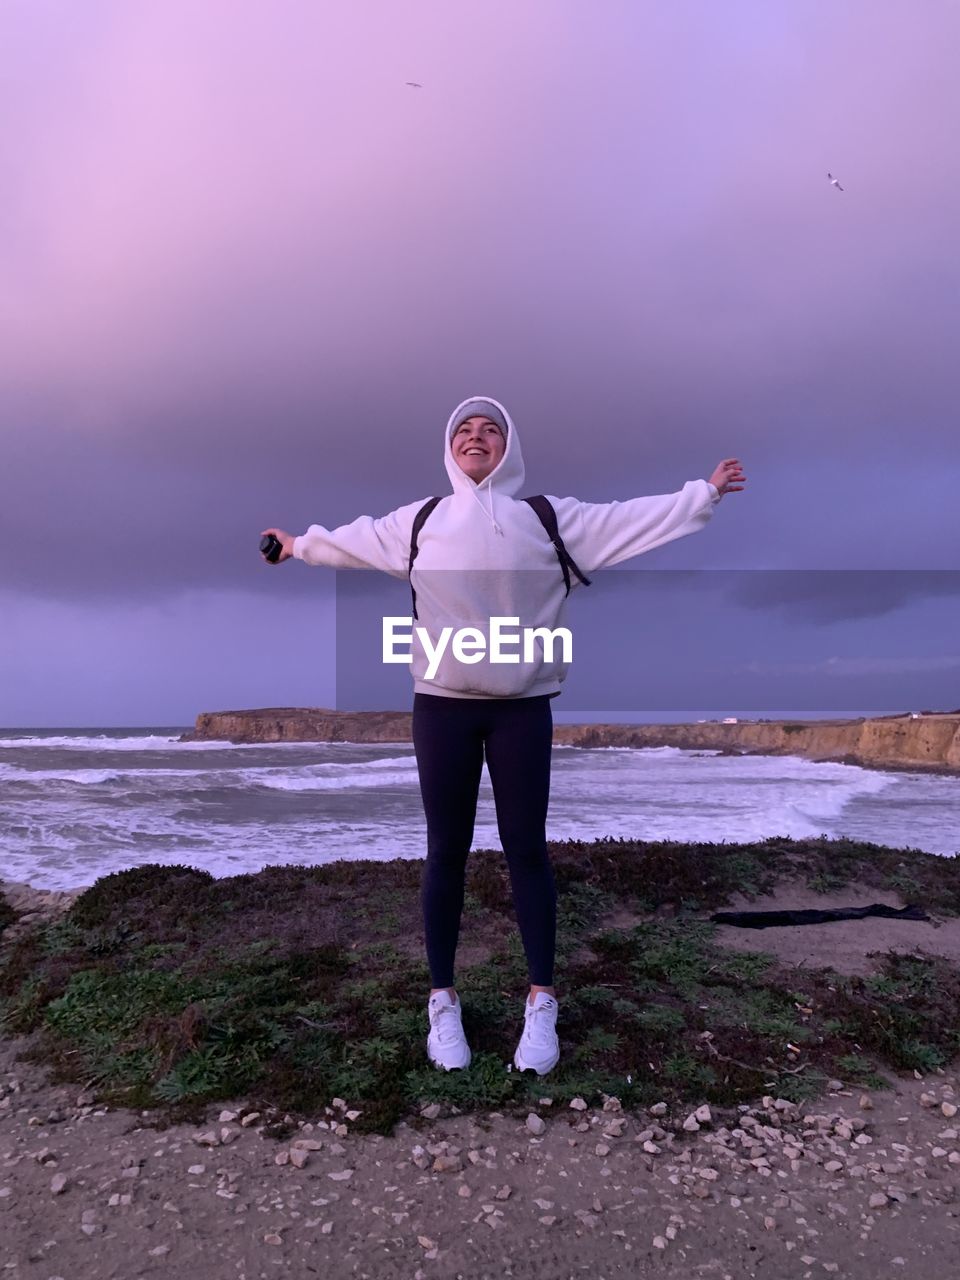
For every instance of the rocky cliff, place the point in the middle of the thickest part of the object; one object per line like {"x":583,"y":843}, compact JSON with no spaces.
{"x":928,"y":742}
{"x":301,"y":724}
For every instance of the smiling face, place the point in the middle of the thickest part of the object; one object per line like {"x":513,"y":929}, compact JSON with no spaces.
{"x":477,"y":445}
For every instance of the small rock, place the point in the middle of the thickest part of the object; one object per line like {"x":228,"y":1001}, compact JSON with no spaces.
{"x":535,"y":1124}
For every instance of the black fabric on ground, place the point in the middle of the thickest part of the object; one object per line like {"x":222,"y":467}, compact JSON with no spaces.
{"x":773,"y":919}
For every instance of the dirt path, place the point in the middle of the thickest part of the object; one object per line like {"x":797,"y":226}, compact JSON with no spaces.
{"x":92,"y":1194}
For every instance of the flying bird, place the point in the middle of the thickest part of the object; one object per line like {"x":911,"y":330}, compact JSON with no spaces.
{"x":834,"y":182}
{"x":413,"y":84}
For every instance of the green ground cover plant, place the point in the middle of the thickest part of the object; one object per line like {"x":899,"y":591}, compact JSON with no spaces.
{"x":167,"y":989}
{"x":7,"y":914}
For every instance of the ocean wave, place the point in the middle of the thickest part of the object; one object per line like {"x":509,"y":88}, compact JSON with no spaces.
{"x":106,"y":742}
{"x":361,"y":778}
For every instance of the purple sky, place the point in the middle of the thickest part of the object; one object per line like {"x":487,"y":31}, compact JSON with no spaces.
{"x":246,"y":274}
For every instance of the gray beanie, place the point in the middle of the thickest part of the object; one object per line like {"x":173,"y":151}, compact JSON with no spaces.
{"x":479,"y":407}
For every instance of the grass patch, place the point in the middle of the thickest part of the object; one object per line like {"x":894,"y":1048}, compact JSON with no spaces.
{"x":7,"y":914}
{"x":171,"y":989}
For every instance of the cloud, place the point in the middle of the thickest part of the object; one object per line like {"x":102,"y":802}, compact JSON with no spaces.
{"x":837,"y":595}
{"x":846,"y":667}
{"x":160,"y":662}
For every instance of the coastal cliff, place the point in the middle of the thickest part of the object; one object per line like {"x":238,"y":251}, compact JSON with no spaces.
{"x":929,"y":742}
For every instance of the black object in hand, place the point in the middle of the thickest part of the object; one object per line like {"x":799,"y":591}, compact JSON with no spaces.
{"x":270,"y":548}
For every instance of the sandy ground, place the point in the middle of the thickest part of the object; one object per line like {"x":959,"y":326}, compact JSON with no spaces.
{"x":860,"y":1185}
{"x":91,"y":1193}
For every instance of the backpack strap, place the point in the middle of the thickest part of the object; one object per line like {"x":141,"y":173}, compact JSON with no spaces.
{"x":418,"y":522}
{"x":548,"y":518}
{"x":545,"y":514}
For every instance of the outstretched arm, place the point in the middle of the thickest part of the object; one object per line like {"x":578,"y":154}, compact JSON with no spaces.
{"x":368,"y":543}
{"x":600,"y":534}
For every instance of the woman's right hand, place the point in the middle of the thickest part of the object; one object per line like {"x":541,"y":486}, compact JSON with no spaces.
{"x":286,"y":540}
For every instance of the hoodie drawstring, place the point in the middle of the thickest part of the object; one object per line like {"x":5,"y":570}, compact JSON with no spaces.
{"x":489,"y":514}
{"x":496,"y":527}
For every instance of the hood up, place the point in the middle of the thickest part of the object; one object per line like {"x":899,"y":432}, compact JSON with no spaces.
{"x":506,"y":478}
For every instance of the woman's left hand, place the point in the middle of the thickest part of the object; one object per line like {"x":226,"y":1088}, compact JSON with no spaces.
{"x":727,"y":474}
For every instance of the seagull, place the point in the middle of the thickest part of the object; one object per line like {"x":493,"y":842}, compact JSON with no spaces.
{"x":413,"y":84}
{"x":834,"y":182}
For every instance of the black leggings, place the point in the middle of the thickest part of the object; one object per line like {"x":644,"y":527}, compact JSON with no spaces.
{"x":450,"y":737}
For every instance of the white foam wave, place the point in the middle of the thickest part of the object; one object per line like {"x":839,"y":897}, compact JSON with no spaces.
{"x":360,"y":778}
{"x":87,"y":776}
{"x":388,"y":762}
{"x":106,"y":742}
{"x":84,"y":777}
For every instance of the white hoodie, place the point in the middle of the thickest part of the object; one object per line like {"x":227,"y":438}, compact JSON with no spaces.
{"x":483,"y":553}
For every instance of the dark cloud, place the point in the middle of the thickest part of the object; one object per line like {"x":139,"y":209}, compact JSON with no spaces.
{"x":828,"y":596}
{"x":227,"y":308}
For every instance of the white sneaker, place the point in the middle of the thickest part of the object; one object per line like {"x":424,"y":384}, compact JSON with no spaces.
{"x":446,"y":1044}
{"x":539,"y":1047}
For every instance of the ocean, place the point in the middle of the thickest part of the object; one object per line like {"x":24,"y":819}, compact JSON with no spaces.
{"x":76,"y":804}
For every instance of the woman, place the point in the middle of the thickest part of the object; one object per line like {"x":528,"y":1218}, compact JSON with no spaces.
{"x":484,"y":553}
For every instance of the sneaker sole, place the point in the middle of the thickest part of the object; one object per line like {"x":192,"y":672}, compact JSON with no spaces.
{"x":524,"y":1067}
{"x":441,"y":1066}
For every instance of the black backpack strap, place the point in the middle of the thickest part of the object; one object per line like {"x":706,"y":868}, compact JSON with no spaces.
{"x":418,"y":522}
{"x":548,"y":518}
